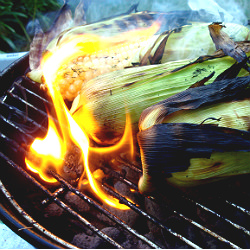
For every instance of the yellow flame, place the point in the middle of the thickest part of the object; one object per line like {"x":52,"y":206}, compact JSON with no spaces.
{"x":125,"y":141}
{"x":52,"y":149}
{"x":46,"y":152}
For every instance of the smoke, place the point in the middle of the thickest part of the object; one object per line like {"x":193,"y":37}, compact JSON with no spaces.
{"x":230,"y":11}
{"x":99,"y":10}
{"x":167,"y":6}
{"x":219,"y":10}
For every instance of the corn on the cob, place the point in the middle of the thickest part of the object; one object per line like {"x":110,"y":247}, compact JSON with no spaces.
{"x":232,"y":115}
{"x":187,"y":149}
{"x":103,"y":102}
{"x":85,"y":67}
{"x":201,"y":171}
{"x":185,"y":154}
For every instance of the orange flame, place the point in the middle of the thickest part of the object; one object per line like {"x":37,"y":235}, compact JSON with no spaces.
{"x":52,"y":149}
{"x":47,"y":151}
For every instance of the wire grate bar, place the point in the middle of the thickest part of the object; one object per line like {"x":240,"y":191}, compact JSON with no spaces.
{"x":210,"y":232}
{"x":242,"y":209}
{"x":123,"y":200}
{"x":32,"y":93}
{"x":219,"y":216}
{"x":60,"y":203}
{"x":105,"y":211}
{"x":20,"y":99}
{"x":31,"y":221}
{"x":27,"y":103}
{"x":21,"y":114}
{"x":10,"y":123}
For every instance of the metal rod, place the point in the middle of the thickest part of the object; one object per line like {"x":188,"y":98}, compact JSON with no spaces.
{"x":130,"y":165}
{"x":20,"y":113}
{"x":158,"y":200}
{"x":34,"y":108}
{"x":60,"y":203}
{"x":242,"y":209}
{"x":104,"y":211}
{"x":218,"y":215}
{"x":59,"y":191}
{"x":12,"y":124}
{"x":53,"y":196}
{"x":27,"y":79}
{"x":32,"y":93}
{"x":27,"y":103}
{"x":135,"y":188}
{"x":31,"y":221}
{"x":15,"y":146}
{"x":123,"y":200}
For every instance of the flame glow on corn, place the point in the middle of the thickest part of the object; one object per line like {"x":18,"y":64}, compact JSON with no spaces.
{"x":50,"y":152}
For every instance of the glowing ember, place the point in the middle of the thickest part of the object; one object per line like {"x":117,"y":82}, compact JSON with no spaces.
{"x":49,"y":153}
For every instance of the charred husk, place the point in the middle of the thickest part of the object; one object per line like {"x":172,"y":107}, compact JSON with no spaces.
{"x":179,"y":140}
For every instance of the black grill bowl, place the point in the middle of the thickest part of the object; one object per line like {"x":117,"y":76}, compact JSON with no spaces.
{"x":211,"y":216}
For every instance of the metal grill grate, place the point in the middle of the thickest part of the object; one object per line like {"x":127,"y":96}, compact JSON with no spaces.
{"x":216,"y":215}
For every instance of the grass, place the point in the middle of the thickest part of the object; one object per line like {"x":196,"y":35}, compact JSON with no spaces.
{"x":15,"y":15}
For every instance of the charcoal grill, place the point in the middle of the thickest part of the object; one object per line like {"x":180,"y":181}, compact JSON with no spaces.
{"x":211,"y":216}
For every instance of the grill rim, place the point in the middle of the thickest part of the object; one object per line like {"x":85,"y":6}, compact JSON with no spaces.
{"x":9,"y":216}
{"x":13,"y":71}
{"x":12,"y":77}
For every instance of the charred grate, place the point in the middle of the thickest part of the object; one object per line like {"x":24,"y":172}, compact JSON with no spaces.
{"x":213,"y":216}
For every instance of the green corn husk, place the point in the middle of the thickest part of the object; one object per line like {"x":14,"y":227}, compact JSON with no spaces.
{"x":197,"y":136}
{"x":105,"y":28}
{"x":217,"y":167}
{"x":171,"y":45}
{"x":182,"y":43}
{"x":101,"y":107}
{"x":232,"y":115}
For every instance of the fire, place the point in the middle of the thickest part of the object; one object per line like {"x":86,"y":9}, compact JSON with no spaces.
{"x":49,"y":153}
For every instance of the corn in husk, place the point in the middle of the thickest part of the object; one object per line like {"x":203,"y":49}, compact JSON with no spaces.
{"x":181,"y":44}
{"x":101,"y":107}
{"x":84,"y":67}
{"x":191,"y":41}
{"x":197,"y":136}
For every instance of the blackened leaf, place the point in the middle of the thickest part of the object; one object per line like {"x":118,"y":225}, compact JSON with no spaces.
{"x":41,"y":39}
{"x":202,"y":81}
{"x":224,"y":42}
{"x":232,"y":71}
{"x":36,"y":48}
{"x":63,"y":21}
{"x":159,"y":51}
{"x":168,"y":147}
{"x":146,"y":57}
{"x":156,"y":59}
{"x":193,"y":98}
{"x":245,"y":46}
{"x":80,"y":16}
{"x":201,"y":59}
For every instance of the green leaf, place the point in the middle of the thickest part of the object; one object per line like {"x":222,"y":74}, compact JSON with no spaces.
{"x":9,"y":42}
{"x":7,"y":27}
{"x":13,"y":13}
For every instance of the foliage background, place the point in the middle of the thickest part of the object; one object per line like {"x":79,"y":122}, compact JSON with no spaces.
{"x":14,"y":17}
